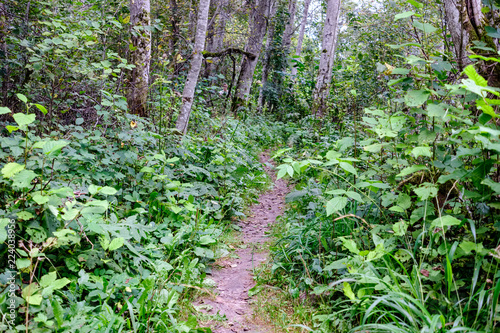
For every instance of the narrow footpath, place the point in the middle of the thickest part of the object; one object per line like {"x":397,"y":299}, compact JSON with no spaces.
{"x":235,"y":279}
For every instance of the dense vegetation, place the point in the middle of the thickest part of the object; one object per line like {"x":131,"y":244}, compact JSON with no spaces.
{"x":110,"y":217}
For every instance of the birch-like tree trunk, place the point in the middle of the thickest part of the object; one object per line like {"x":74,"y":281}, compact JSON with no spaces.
{"x":141,"y":40}
{"x":300,"y":38}
{"x":322,"y":89}
{"x":290,"y":26}
{"x":258,"y":28}
{"x":194,"y":71}
{"x":455,"y":14}
{"x":265,"y":61}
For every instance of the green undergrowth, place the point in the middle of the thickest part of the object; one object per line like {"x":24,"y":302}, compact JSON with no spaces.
{"x":393,"y":225}
{"x":111,"y":228}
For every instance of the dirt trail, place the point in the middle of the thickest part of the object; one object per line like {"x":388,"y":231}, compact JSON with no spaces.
{"x":235,"y":279}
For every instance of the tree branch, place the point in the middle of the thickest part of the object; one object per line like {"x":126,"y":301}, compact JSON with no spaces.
{"x":230,"y":50}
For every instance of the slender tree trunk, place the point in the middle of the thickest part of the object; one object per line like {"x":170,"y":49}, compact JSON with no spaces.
{"x":455,"y":13}
{"x":258,"y":27}
{"x":290,"y":26}
{"x":265,"y":61}
{"x":302,"y":30}
{"x":141,"y":40}
{"x":322,"y":89}
{"x":194,"y":71}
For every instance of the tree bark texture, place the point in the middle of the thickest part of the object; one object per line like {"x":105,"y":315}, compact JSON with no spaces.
{"x":216,"y":33}
{"x":300,"y":38}
{"x":290,"y":26}
{"x":194,"y":71}
{"x":322,"y":89}
{"x":455,"y":14}
{"x":141,"y":40}
{"x":265,"y":61}
{"x":258,"y":28}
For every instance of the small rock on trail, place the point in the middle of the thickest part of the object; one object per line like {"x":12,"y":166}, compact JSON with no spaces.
{"x":235,"y":278}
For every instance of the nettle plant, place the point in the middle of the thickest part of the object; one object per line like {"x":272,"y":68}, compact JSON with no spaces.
{"x":420,"y":196}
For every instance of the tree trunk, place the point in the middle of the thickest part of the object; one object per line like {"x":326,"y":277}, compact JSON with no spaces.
{"x":141,"y":40}
{"x":322,"y":89}
{"x":455,"y":15}
{"x":258,"y":27}
{"x":265,"y":61}
{"x":290,"y":26}
{"x":216,"y":33}
{"x":302,"y":30}
{"x":194,"y":71}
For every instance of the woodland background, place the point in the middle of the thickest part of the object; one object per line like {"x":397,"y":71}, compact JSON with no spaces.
{"x":129,"y":144}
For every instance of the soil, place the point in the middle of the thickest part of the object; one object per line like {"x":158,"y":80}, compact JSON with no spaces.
{"x":235,"y":277}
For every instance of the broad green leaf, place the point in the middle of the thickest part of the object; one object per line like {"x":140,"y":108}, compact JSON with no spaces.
{"x":40,"y":199}
{"x":416,"y":97}
{"x":350,"y":245}
{"x":348,"y":291}
{"x":491,"y":184}
{"x":10,"y":169}
{"x":400,"y":71}
{"x":41,"y":108}
{"x":93,"y":189}
{"x":444,"y":221}
{"x":415,"y":3}
{"x":336,"y":204}
{"x":492,"y":32}
{"x":421,"y":151}
{"x":206,"y":239}
{"x":24,"y":215}
{"x":468,"y":247}
{"x":332,"y":155}
{"x":426,"y":191}
{"x":31,"y":294}
{"x":281,"y":173}
{"x":404,"y":15}
{"x":116,"y":243}
{"x":24,"y":120}
{"x":400,"y":228}
{"x":11,"y":128}
{"x":336,"y":191}
{"x":436,"y":110}
{"x":107,"y":190}
{"x":410,"y":170}
{"x":425,"y":27}
{"x":486,"y":108}
{"x":22,"y":180}
{"x":48,"y":279}
{"x":4,"y":110}
{"x":22,"y":98}
{"x":22,"y":263}
{"x":375,"y":148}
{"x":348,"y":168}
{"x":52,"y":146}
{"x":403,"y":201}
{"x":70,"y":214}
{"x":470,"y":71}
{"x":355,"y":196}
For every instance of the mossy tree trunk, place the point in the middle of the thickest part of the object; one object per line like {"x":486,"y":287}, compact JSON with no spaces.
{"x":194,"y":70}
{"x":140,"y":22}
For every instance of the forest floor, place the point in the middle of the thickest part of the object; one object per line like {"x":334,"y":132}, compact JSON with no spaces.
{"x":233,"y":275}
